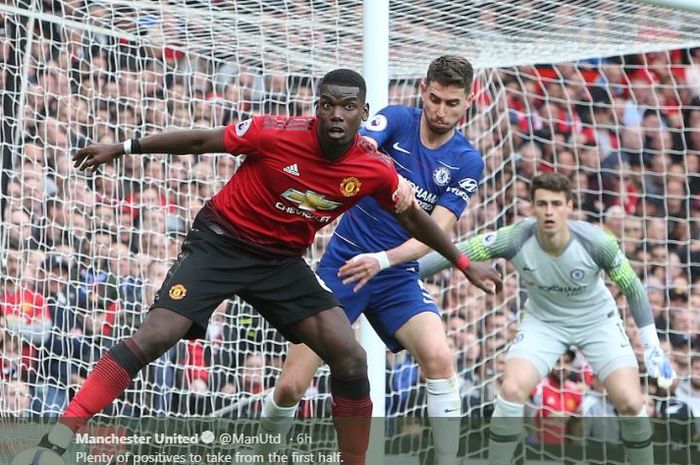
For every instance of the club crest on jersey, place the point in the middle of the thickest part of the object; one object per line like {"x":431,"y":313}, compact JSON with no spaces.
{"x":578,"y":274}
{"x":177,"y":292}
{"x":310,"y":200}
{"x":378,"y":123}
{"x":243,"y":126}
{"x":350,"y":186}
{"x":441,"y":176}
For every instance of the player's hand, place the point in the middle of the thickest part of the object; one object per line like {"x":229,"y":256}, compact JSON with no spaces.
{"x":659,"y":366}
{"x":485,"y":277}
{"x":405,"y":196}
{"x":92,"y":156}
{"x":368,"y":143}
{"x":361,"y":268}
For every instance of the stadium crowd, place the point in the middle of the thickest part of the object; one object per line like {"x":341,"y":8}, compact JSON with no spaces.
{"x":83,"y":255}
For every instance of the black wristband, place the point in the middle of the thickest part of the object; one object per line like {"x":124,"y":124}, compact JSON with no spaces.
{"x":135,"y":146}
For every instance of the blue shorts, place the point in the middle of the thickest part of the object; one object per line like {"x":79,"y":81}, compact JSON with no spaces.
{"x":388,"y":300}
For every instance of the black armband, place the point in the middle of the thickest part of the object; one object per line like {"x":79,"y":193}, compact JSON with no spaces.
{"x":132,"y":146}
{"x":135,"y":146}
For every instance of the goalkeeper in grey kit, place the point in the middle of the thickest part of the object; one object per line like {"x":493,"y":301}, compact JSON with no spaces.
{"x":559,"y":262}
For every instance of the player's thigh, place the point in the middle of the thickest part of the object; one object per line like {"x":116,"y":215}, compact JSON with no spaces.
{"x":607,"y":347}
{"x":397,"y":296}
{"x":207,"y":271}
{"x":354,"y":303}
{"x":624,"y":390}
{"x":423,"y":335}
{"x":303,"y":308}
{"x":540,"y":343}
{"x":329,"y":334}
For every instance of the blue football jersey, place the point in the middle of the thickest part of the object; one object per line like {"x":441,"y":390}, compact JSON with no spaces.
{"x":445,"y":176}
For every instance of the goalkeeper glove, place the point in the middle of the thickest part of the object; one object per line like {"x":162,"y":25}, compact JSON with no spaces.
{"x":657,"y":363}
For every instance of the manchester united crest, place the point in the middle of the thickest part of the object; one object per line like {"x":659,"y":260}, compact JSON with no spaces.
{"x":350,"y":186}
{"x":177,"y":292}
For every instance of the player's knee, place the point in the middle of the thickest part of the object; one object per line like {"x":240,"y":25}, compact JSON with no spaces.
{"x":514,"y":391}
{"x":437,"y":363}
{"x":160,"y":331}
{"x":350,"y":363}
{"x":288,"y":391}
{"x":629,"y":405}
{"x":155,"y":344}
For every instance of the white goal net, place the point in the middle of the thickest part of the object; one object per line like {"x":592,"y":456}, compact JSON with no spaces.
{"x":606,"y":91}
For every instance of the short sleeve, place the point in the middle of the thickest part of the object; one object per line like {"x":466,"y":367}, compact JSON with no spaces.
{"x":244,"y":137}
{"x":385,"y":195}
{"x":385,"y":124}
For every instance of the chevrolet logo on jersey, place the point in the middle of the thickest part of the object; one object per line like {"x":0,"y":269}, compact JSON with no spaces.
{"x":310,"y":200}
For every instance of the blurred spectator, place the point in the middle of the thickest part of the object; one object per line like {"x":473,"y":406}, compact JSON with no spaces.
{"x":403,"y":378}
{"x":692,"y":72}
{"x":490,"y":376}
{"x":403,"y":93}
{"x":24,"y":311}
{"x":555,"y":400}
{"x":66,"y":353}
{"x":614,"y":219}
{"x":688,"y":390}
{"x":468,"y":357}
{"x":13,"y":363}
{"x":529,"y":156}
{"x":600,"y":422}
{"x":15,"y":399}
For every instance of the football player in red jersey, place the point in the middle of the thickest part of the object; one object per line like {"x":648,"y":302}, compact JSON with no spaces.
{"x":299,"y":175}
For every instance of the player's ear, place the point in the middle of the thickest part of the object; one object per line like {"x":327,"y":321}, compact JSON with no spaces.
{"x":365,"y":112}
{"x":423,"y":86}
{"x":470,"y":99}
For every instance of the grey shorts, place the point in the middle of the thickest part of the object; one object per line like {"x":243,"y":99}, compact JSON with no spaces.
{"x":605,"y":346}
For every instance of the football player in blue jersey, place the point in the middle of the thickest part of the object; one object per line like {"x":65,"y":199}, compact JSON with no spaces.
{"x":370,"y":262}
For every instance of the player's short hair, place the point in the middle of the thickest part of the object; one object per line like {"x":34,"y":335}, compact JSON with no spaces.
{"x":555,"y":182}
{"x":449,"y":70}
{"x":346,"y":78}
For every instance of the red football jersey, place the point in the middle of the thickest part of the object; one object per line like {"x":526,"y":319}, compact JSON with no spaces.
{"x":28,"y":305}
{"x":286,"y":190}
{"x":555,"y":405}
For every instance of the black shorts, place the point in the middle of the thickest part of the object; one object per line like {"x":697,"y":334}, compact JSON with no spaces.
{"x":211,"y":268}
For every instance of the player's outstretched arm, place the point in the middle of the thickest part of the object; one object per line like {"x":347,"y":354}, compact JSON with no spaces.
{"x":504,"y":243}
{"x":422,"y":227}
{"x":612,"y":259}
{"x":175,"y":142}
{"x":361,"y":268}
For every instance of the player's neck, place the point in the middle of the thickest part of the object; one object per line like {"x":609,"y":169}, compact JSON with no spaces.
{"x":331,"y":150}
{"x":430,"y":139}
{"x":554,"y":244}
{"x":333,"y":153}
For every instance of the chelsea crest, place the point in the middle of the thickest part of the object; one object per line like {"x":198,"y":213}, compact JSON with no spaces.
{"x":441,"y":176}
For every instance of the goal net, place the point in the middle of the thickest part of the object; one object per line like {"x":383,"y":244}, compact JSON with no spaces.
{"x":605,"y":91}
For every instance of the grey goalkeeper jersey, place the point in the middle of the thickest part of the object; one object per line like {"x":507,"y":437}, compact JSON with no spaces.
{"x":567,"y":289}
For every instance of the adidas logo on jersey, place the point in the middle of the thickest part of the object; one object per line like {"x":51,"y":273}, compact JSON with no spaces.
{"x":292,"y":169}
